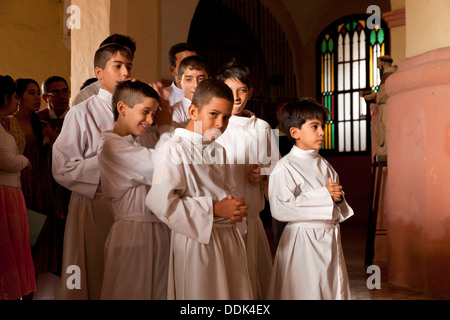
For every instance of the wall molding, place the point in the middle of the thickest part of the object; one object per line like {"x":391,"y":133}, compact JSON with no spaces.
{"x":396,"y":18}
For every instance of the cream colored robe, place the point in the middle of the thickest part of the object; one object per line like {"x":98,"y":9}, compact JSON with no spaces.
{"x":89,"y":219}
{"x":249,"y":140}
{"x":137,"y":247}
{"x":207,"y":256}
{"x":309,"y":263}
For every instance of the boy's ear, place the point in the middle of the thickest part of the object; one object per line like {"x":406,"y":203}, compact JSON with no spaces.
{"x":172,"y":71}
{"x":122,"y":108}
{"x":250,"y":93}
{"x":193,"y":112}
{"x":295,"y":133}
{"x":45,"y":98}
{"x":98,"y":72}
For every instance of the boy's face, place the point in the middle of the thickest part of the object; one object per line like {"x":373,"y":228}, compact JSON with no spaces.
{"x":241,"y":94}
{"x":190,"y":80}
{"x":178,"y":58}
{"x":117,"y":69}
{"x":310,"y":136}
{"x":138,"y":118}
{"x":214,"y":116}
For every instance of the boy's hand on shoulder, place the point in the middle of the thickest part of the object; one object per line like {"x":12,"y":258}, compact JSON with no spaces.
{"x":231,"y":208}
{"x":164,"y":113}
{"x":335,"y":191}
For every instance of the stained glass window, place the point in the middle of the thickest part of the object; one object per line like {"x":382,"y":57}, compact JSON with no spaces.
{"x":348,"y":52}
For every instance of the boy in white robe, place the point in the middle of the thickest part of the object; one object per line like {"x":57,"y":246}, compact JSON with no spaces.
{"x":137,"y":247}
{"x":75,"y":166}
{"x":250,"y":144}
{"x":191,"y":72}
{"x":177,"y":53}
{"x":304,"y":191}
{"x":192,"y":193}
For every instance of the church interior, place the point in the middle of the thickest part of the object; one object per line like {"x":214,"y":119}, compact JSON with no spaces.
{"x":325,"y":49}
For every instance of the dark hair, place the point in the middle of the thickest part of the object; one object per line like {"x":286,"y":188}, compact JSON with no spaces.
{"x":7,"y":88}
{"x":177,"y":48}
{"x":88,"y":82}
{"x":121,"y":39}
{"x":211,"y":88}
{"x":295,"y":114}
{"x":47,"y":82}
{"x":192,"y":62}
{"x":22,"y":84}
{"x":131,"y":93}
{"x":235,"y":70}
{"x":104,"y":54}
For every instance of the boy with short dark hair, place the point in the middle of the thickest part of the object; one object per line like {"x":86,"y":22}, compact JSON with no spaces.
{"x":75,"y":166}
{"x":93,"y":87}
{"x":191,"y":72}
{"x":177,"y":53}
{"x":304,"y":191}
{"x":192,"y":192}
{"x":137,"y":247}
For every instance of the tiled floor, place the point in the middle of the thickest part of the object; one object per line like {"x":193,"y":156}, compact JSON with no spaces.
{"x":353,"y":239}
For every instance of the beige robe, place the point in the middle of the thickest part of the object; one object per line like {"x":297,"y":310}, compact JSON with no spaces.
{"x":248,"y":141}
{"x":207,"y":256}
{"x":89,"y":219}
{"x":309,"y":263}
{"x":137,"y":247}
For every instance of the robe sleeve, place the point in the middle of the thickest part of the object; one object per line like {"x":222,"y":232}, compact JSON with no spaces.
{"x":288,"y":205}
{"x":273,"y":151}
{"x":169,"y":200}
{"x":342,"y":210}
{"x":9,"y":161}
{"x":70,"y":167}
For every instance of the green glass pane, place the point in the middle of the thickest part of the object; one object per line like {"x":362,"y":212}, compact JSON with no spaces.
{"x":330,"y":45}
{"x":354,"y":25}
{"x":324,"y":46}
{"x":348,"y":26}
{"x":380,"y":36}
{"x":373,"y":37}
{"x":332,"y":136}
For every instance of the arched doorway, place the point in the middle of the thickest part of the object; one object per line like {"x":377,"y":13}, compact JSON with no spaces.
{"x":246,"y":31}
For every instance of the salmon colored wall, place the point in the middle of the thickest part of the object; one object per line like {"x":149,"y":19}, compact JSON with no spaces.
{"x":418,"y":135}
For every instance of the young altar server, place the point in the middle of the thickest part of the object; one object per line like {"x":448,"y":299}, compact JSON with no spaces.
{"x":304,"y":191}
{"x":249,"y":142}
{"x":137,"y":247}
{"x":192,"y":192}
{"x":75,"y":166}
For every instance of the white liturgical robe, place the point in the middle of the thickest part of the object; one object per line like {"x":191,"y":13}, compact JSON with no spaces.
{"x":137,"y":247}
{"x":181,"y":110}
{"x":207,"y":258}
{"x":89,"y":219}
{"x":249,"y":141}
{"x":309,"y":263}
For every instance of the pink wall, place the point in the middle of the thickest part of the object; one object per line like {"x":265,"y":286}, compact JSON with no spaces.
{"x":418,"y":183}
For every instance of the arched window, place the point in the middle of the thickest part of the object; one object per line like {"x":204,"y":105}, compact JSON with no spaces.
{"x":347,"y":53}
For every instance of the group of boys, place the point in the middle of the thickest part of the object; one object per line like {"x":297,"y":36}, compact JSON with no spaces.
{"x":205,"y":216}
